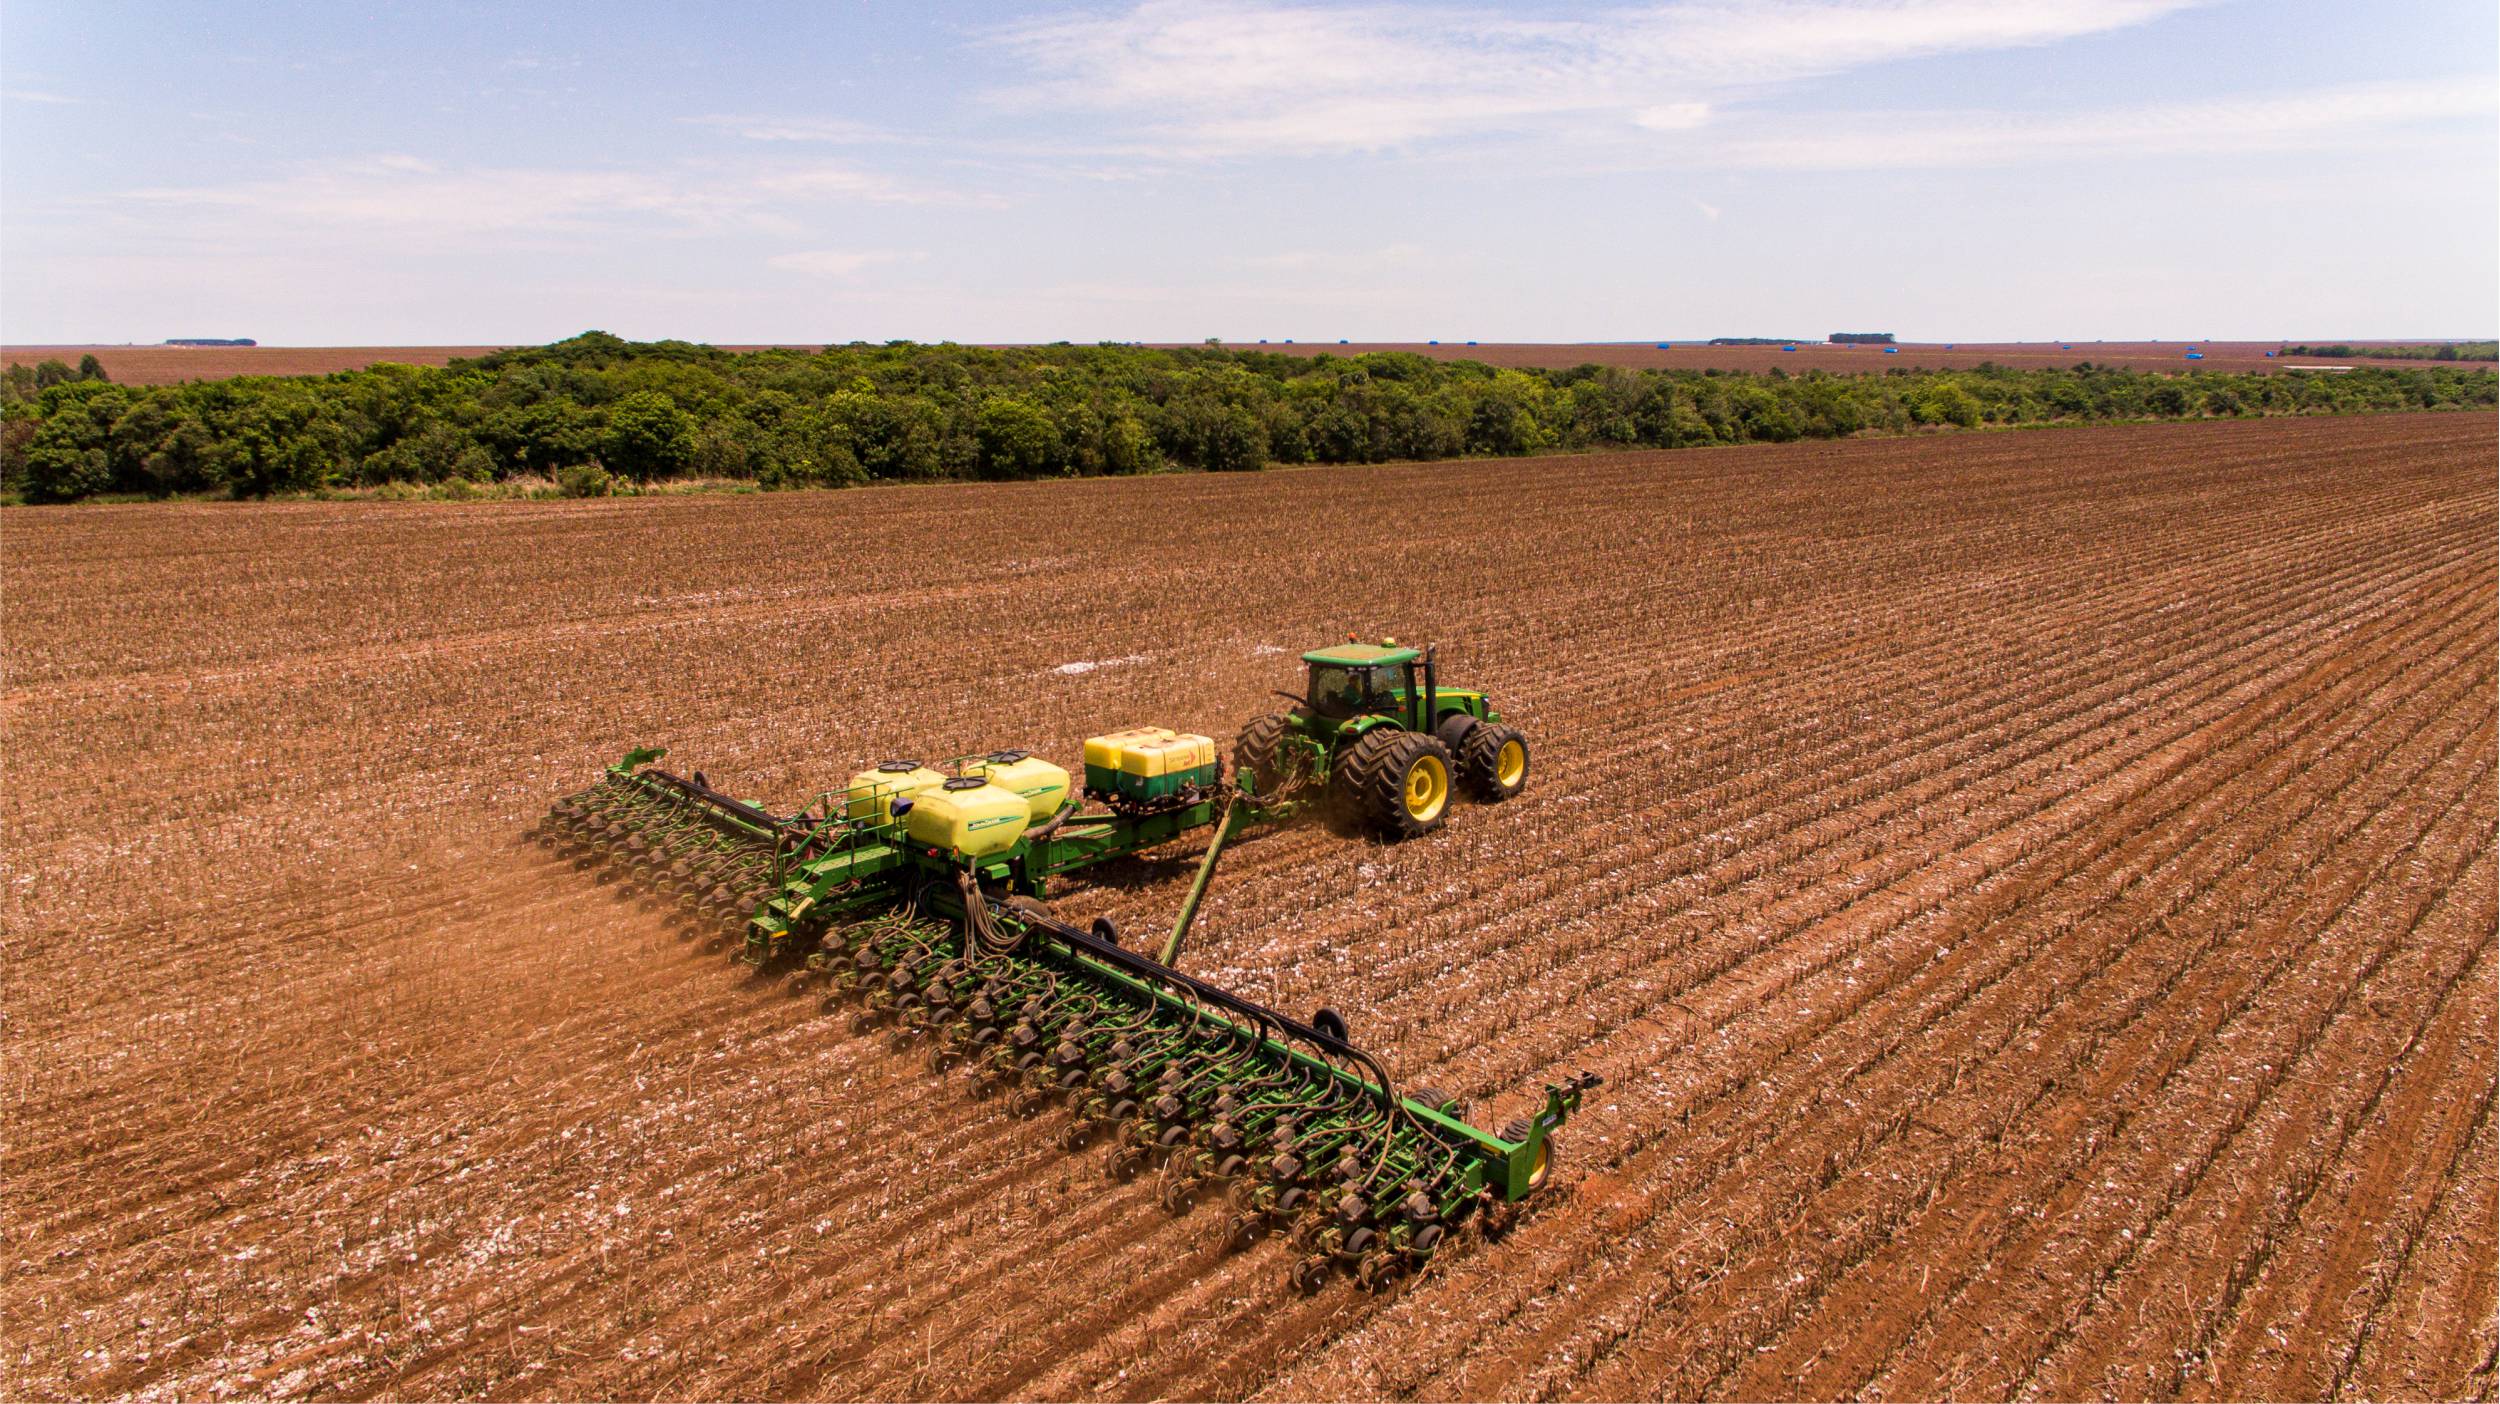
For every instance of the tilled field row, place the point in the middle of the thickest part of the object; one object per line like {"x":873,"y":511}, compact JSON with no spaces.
{"x":1823,"y":1070}
{"x":2030,"y":894}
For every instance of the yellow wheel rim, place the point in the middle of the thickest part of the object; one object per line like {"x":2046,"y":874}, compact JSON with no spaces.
{"x":1538,"y":1167}
{"x":1427,"y":789}
{"x":1510,"y":764}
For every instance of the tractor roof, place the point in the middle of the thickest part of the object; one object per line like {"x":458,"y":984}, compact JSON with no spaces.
{"x":1360,"y":655}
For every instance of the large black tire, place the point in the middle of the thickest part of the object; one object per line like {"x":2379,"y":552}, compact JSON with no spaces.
{"x":1259,"y":752}
{"x":1399,"y":782}
{"x":1516,"y":1130}
{"x":1494,"y":763}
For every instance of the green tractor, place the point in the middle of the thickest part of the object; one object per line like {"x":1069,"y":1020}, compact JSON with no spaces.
{"x":1377,"y":726}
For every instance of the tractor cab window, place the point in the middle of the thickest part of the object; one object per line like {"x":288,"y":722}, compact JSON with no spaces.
{"x":1346,"y":692}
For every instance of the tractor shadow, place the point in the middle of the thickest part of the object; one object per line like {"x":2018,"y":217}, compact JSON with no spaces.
{"x":1137,"y":872}
{"x":1176,"y":864}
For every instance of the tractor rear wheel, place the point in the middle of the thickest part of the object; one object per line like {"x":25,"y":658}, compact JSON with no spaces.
{"x":1259,"y":754}
{"x":1399,"y":781}
{"x":1494,"y":761}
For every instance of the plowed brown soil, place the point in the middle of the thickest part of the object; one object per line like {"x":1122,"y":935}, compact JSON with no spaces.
{"x":169,"y":365}
{"x":2032,"y":897}
{"x":1815,"y":355}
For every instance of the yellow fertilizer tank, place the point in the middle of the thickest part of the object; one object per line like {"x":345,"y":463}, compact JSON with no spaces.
{"x":970,"y":816}
{"x":872,"y":793}
{"x":1043,"y":785}
{"x":1103,"y":752}
{"x":1149,"y":765}
{"x":1172,"y":755}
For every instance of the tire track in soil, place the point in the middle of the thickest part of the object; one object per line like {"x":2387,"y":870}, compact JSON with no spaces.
{"x":1803,"y":795}
{"x":2055,"y":1155}
{"x":1996,"y":1270}
{"x":2418,"y":1346}
{"x":1866,"y":873}
{"x":2353,"y":1240}
{"x":2391,"y":1270}
{"x":2260,"y":1215}
{"x":2153,"y":1136}
{"x":1618,"y":983}
{"x":1897,"y":1120}
{"x":1903,"y":1273}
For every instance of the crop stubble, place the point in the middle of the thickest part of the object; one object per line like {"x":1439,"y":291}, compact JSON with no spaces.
{"x":2031,"y":895}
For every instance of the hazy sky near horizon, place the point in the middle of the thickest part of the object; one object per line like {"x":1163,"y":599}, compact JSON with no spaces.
{"x":1171,"y":170}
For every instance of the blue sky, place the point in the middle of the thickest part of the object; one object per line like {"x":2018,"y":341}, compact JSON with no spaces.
{"x":1944,"y":169}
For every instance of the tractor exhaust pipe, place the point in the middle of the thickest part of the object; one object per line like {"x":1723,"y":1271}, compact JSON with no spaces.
{"x":1432,"y":690}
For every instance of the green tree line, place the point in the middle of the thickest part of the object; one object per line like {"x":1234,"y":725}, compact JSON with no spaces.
{"x":595,"y":411}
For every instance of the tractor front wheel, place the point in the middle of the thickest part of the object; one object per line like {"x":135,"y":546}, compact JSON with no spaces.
{"x":1399,"y":781}
{"x":1494,"y":761}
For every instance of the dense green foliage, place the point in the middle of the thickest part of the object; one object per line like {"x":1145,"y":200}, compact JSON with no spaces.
{"x":2443,"y":351}
{"x":595,"y":411}
{"x":1861,"y":338}
{"x":24,"y":380}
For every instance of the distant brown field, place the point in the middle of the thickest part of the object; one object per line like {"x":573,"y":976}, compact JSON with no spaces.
{"x":1810,"y":355}
{"x":167,"y":365}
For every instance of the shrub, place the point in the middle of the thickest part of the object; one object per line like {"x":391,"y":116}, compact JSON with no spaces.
{"x":648,"y":437}
{"x":1017,"y":438}
{"x":1236,"y":443}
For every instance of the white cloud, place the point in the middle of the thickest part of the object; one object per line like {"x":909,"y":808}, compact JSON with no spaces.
{"x":1385,"y":259}
{"x":846,"y":182}
{"x":36,"y":95}
{"x":1659,"y":86}
{"x":830,"y":130}
{"x":414,"y":198}
{"x":837,"y":263}
{"x":1236,"y":77}
{"x":2307,"y":121}
{"x":1235,"y":303}
{"x":407,"y":194}
{"x":1672,"y":117}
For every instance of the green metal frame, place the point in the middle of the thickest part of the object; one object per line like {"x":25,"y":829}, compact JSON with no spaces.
{"x":1505,"y":1167}
{"x":1364,"y":1177}
{"x":1105,"y":780}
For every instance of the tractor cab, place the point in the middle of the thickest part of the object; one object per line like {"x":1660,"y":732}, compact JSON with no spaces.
{"x":1354,"y":680}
